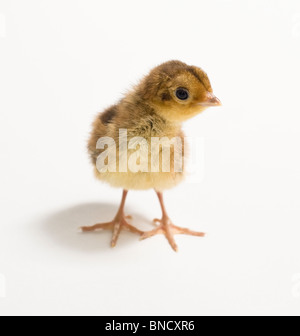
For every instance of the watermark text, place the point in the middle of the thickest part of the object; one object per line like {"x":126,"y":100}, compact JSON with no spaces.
{"x":2,"y":286}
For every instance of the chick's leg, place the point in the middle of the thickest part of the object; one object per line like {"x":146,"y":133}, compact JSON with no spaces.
{"x":117,"y":225}
{"x":167,"y":228}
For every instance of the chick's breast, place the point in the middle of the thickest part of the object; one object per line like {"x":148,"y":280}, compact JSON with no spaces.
{"x":137,"y":158}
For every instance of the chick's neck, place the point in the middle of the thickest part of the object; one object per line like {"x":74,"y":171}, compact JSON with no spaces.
{"x":150,"y":119}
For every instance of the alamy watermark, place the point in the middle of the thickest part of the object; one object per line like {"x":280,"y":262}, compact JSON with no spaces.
{"x":2,"y":26}
{"x":2,"y":286}
{"x":152,"y":155}
{"x":296,"y":25}
{"x":296,"y":286}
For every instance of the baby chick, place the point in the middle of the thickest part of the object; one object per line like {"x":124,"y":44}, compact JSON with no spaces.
{"x":169,"y":95}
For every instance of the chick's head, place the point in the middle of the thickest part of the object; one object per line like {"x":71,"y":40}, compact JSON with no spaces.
{"x":178,"y":91}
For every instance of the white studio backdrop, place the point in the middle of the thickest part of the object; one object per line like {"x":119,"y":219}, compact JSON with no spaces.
{"x":61,"y":62}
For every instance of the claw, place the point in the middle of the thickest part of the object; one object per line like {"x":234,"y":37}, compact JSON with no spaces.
{"x":169,"y":230}
{"x":117,"y":225}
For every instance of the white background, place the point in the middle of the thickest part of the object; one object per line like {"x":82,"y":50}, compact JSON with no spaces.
{"x":63,"y":61}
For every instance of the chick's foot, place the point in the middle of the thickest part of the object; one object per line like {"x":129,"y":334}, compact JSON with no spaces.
{"x":117,"y":225}
{"x":167,"y":228}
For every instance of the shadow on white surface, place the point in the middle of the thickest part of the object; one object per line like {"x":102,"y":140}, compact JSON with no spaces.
{"x":63,"y":227}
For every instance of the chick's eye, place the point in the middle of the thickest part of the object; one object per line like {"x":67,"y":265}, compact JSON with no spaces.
{"x":182,"y":94}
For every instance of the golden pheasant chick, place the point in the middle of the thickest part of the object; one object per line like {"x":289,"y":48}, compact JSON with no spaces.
{"x":130,"y":140}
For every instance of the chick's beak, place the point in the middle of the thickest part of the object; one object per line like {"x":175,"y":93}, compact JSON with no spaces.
{"x":210,"y":100}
